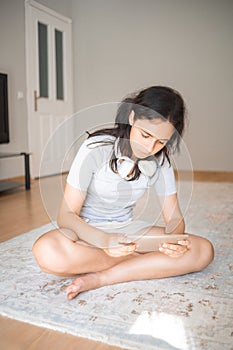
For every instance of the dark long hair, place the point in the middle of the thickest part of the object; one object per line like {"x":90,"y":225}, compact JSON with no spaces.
{"x":154,"y":102}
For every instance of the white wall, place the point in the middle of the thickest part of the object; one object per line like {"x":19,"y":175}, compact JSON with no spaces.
{"x":124,"y":45}
{"x":12,"y":62}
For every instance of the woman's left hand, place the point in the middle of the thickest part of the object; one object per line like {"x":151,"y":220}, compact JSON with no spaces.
{"x":119,"y":244}
{"x":175,"y":250}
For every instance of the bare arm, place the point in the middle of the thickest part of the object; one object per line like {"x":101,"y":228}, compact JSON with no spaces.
{"x":174,"y":225}
{"x":172,"y":214}
{"x":69,"y":218}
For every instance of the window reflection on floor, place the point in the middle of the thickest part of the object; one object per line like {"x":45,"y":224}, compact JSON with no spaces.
{"x":168,"y":328}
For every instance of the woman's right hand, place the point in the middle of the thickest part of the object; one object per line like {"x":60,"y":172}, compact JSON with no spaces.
{"x":119,"y":244}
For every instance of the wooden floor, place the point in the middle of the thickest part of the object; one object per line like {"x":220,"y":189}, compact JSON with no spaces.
{"x":22,"y":211}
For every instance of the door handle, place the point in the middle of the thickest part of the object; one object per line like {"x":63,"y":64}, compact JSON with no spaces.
{"x":35,"y":101}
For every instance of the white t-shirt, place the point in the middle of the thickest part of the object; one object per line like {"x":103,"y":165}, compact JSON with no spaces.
{"x":108,"y":196}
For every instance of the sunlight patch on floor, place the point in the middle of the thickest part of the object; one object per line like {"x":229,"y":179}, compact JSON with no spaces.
{"x":166,"y":327}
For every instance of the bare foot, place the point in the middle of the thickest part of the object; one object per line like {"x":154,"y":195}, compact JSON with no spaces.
{"x":81,"y":284}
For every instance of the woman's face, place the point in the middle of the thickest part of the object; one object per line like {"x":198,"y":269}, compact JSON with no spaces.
{"x":148,"y":137}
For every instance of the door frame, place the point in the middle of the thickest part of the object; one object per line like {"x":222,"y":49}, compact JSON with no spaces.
{"x":29,"y":69}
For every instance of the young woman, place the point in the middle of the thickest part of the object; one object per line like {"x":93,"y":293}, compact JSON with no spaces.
{"x":97,"y":236}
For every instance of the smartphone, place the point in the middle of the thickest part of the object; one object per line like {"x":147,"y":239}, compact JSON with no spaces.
{"x":152,"y":243}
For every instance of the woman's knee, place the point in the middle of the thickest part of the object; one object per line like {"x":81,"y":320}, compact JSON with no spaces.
{"x":205,"y":253}
{"x":48,"y":252}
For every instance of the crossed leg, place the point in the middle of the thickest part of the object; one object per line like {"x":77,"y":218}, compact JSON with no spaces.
{"x":58,"y":255}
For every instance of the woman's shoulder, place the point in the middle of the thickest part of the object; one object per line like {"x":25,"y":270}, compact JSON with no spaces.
{"x":99,"y":140}
{"x":94,"y":150}
{"x":97,"y":146}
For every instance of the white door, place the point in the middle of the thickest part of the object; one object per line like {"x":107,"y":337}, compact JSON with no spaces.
{"x":49,"y":86}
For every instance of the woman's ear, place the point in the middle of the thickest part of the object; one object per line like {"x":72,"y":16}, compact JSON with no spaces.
{"x":131,"y":117}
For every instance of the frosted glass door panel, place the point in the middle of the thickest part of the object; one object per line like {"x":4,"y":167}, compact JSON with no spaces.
{"x":59,"y":64}
{"x":43,"y":59}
